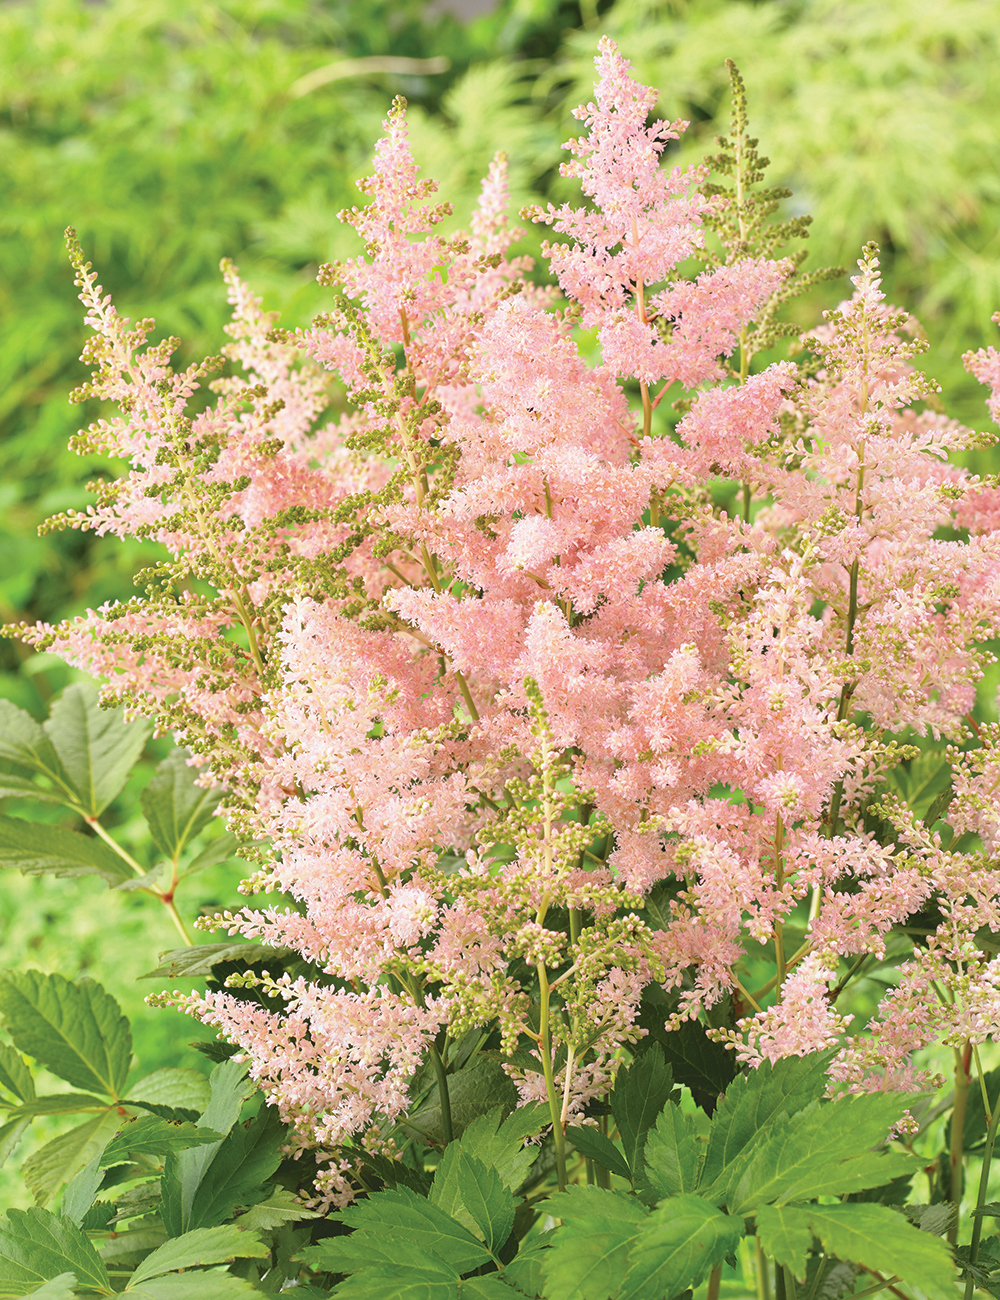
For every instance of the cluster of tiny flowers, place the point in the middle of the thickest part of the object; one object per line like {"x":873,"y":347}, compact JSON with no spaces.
{"x":522,"y":723}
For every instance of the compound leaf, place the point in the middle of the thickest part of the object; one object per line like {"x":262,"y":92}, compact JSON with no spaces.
{"x":588,"y":1252}
{"x":475,"y":1195}
{"x":673,"y":1154}
{"x":36,"y":1246}
{"x":15,"y":1075}
{"x":148,"y":1135}
{"x":96,"y":746}
{"x":870,"y":1235}
{"x":219,"y":1245}
{"x":596,"y":1146}
{"x":23,"y":741}
{"x":641,"y":1090}
{"x":175,"y":808}
{"x":405,"y":1216}
{"x":204,"y":1284}
{"x":75,"y":1030}
{"x":680,"y":1242}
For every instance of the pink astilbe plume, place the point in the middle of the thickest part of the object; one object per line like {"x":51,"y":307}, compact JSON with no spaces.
{"x":552,"y":725}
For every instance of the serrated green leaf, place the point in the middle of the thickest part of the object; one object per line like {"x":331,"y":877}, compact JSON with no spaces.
{"x":397,"y":1282}
{"x":23,"y":741}
{"x":148,"y":1135}
{"x":174,"y":1086}
{"x":588,"y":1252}
{"x":236,"y":1175}
{"x":15,"y":1075}
{"x":220,"y":1245}
{"x":641,"y":1090}
{"x":184,"y":1171}
{"x":36,"y":848}
{"x":525,"y":1270}
{"x":921,"y":781}
{"x":500,"y":1145}
{"x":785,"y":1238}
{"x":205,"y":1284}
{"x":57,"y":1288}
{"x":403,"y":1215}
{"x":198,"y":961}
{"x":96,"y":746}
{"x":702,"y":1065}
{"x":124,"y":1250}
{"x":362,"y":1250}
{"x":473,"y":1092}
{"x":593,"y":1144}
{"x":822,"y":1150}
{"x":673,"y":1154}
{"x":280,"y":1207}
{"x":53,"y":1165}
{"x":11,"y":1134}
{"x":23,"y":787}
{"x":81,"y":1192}
{"x":217,"y":850}
{"x":175,"y":808}
{"x":678,"y":1245}
{"x":36,"y":1246}
{"x":62,"y":1103}
{"x":489,"y":1287}
{"x":76,"y":1030}
{"x":870,"y":1235}
{"x":753,"y":1100}
{"x":474,"y":1195}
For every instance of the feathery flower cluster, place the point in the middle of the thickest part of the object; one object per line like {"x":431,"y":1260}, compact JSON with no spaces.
{"x":528,"y":724}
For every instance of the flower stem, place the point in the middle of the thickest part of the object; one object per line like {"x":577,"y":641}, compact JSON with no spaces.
{"x":445,"y":1096}
{"x":984,"y":1181}
{"x":714,"y":1283}
{"x":171,"y":907}
{"x":957,"y":1133}
{"x":545,"y":1051}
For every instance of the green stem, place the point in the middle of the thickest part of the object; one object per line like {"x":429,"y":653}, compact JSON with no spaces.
{"x":791,"y":1291}
{"x":169,"y":904}
{"x":956,"y":1151}
{"x":818,"y":1276}
{"x":746,"y":503}
{"x":98,"y":829}
{"x":874,"y":1290}
{"x":442,"y":1083}
{"x":984,"y":1180}
{"x":545,"y":1051}
{"x":714,"y":1283}
{"x":763,"y":1282}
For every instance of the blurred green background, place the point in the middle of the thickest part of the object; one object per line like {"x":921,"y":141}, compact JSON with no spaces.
{"x":175,"y":132}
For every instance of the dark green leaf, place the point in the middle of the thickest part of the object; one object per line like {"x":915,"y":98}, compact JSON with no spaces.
{"x":57,"y":1288}
{"x":524,"y":1272}
{"x":147,"y":1135}
{"x":75,"y":1030}
{"x":823,"y":1150}
{"x":593,"y":1144}
{"x":37,"y":848}
{"x":473,"y":1092}
{"x":870,"y":1235}
{"x":175,"y":808}
{"x":500,"y":1145}
{"x":673,"y":1154}
{"x":205,"y":1284}
{"x":398,"y":1282}
{"x":81,"y":1192}
{"x":36,"y":1246}
{"x":56,"y":1163}
{"x":280,"y":1207}
{"x":196,"y":962}
{"x":641,"y":1090}
{"x":698,"y":1063}
{"x":489,"y":1287}
{"x":753,"y":1100}
{"x":588,"y":1252}
{"x":395,"y":1173}
{"x":23,"y":741}
{"x":15,"y":1075}
{"x":474,"y":1195}
{"x":98,"y":748}
{"x":203,"y":1246}
{"x":246,"y":1158}
{"x":361,"y":1250}
{"x":402,"y":1215}
{"x":62,"y":1103}
{"x":184,"y":1171}
{"x":678,"y":1245}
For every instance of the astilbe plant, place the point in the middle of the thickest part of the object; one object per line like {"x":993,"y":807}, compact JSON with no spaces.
{"x":548,"y":750}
